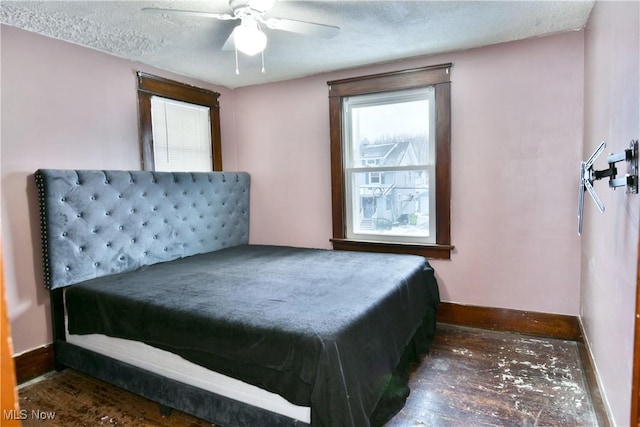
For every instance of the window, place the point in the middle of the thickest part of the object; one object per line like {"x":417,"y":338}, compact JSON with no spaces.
{"x":181,"y":136}
{"x":179,"y":126}
{"x":388,"y":165}
{"x":390,"y":162}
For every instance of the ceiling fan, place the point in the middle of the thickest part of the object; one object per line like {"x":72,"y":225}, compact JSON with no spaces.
{"x":248,"y":36}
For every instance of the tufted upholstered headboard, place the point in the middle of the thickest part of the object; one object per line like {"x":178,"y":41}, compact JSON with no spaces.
{"x":96,"y":223}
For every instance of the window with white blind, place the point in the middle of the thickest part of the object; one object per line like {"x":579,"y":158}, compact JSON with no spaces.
{"x":179,"y":126}
{"x":181,"y":136}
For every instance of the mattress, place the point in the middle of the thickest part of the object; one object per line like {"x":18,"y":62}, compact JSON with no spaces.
{"x":323,"y":329}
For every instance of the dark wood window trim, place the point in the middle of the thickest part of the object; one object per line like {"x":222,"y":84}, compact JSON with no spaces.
{"x":149,"y":85}
{"x":437,"y":76}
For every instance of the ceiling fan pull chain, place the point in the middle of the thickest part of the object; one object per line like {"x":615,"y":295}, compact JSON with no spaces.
{"x":237,"y":69}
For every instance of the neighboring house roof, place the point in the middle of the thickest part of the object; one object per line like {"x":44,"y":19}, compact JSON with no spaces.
{"x":391,"y":154}
{"x":397,"y":154}
{"x":375,"y":151}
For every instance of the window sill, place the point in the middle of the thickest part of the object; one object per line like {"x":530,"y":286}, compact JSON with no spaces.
{"x":437,"y":251}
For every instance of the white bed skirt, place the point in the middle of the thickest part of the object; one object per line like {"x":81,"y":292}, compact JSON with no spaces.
{"x":176,"y":368}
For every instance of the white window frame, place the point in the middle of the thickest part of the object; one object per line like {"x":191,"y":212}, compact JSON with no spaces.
{"x":352,"y":193}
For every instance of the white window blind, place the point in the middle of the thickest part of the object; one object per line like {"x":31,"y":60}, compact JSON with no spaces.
{"x":181,"y":136}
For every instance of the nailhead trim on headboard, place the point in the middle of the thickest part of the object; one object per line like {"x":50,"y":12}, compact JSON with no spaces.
{"x":95,"y":223}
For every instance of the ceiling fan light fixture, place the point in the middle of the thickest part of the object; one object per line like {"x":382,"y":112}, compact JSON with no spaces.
{"x":249,"y":39}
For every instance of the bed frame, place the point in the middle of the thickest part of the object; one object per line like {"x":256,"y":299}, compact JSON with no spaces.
{"x":101,"y":223}
{"x":205,"y":211}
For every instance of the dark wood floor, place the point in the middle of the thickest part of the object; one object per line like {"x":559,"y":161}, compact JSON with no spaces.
{"x":472,"y":377}
{"x":476,"y":377}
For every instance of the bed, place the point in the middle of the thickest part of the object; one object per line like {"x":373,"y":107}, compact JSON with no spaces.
{"x":155,"y":288}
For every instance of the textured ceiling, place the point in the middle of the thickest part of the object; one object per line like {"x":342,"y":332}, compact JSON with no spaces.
{"x":371,"y":32}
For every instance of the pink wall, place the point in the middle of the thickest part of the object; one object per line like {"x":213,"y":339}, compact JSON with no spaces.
{"x":286,"y":150}
{"x":63,"y":106}
{"x":610,"y":240}
{"x":516,"y":143}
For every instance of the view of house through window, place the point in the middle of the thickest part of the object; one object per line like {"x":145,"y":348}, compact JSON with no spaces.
{"x":389,"y":165}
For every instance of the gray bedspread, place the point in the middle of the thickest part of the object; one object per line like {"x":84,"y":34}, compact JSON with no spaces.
{"x":322,"y":328}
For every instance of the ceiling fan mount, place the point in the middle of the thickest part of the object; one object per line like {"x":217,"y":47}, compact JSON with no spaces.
{"x":250,"y":6}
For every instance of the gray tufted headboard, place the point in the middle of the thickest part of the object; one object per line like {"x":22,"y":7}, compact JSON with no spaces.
{"x":96,"y":223}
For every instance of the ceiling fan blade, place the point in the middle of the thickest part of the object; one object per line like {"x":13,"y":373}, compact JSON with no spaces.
{"x":302,"y":27}
{"x":222,"y":16}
